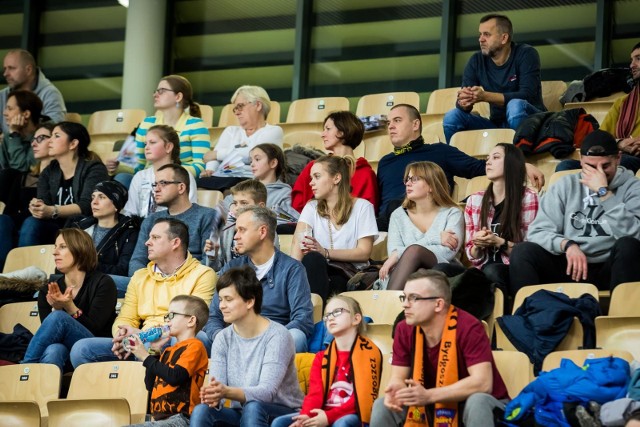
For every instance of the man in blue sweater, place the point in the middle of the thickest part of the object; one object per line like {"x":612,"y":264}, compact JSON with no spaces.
{"x":502,"y":73}
{"x":286,"y":293}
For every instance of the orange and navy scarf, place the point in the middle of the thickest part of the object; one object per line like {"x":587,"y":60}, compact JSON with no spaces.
{"x":445,"y":414}
{"x":366,"y":366}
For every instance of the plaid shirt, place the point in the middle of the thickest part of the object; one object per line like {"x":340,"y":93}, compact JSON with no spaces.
{"x":472,"y":222}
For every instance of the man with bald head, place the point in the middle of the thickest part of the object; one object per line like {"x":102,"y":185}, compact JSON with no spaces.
{"x":21,"y":73}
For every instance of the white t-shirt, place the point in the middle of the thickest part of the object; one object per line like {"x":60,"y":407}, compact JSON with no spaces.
{"x":361,"y":223}
{"x":263,"y":269}
{"x":140,"y":193}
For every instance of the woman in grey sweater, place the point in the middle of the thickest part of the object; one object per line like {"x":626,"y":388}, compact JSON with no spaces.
{"x":252,"y":361}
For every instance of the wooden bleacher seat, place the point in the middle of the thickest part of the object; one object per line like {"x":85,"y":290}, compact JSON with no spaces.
{"x":376,"y":145}
{"x":20,"y":414}
{"x":112,"y":380}
{"x":315,"y":109}
{"x":286,"y":240}
{"x":442,"y":100}
{"x":207,"y":114}
{"x":625,"y":300}
{"x":498,"y":310}
{"x":574,"y":337}
{"x":547,"y":163}
{"x":89,"y":412}
{"x":557,"y":175}
{"x":40,"y":256}
{"x":115,"y":122}
{"x":552,"y":91}
{"x":379,"y":252}
{"x":228,"y":118}
{"x":578,"y":357}
{"x":209,"y":198}
{"x":381,"y":103}
{"x":621,"y":333}
{"x":476,"y":184}
{"x":31,"y":382}
{"x":381,"y":306}
{"x":2,"y":206}
{"x":433,"y":133}
{"x":515,"y":369}
{"x":478,"y":143}
{"x":316,"y":300}
{"x":305,"y":134}
{"x":73,"y":117}
{"x":25,"y":313}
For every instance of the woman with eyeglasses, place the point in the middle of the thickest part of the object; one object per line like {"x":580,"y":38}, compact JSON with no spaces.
{"x":345,"y":378}
{"x":342,"y":227}
{"x":253,"y":377}
{"x":426,"y":230}
{"x":81,"y":304}
{"x":65,"y":186}
{"x":175,"y":107}
{"x":251,"y":107}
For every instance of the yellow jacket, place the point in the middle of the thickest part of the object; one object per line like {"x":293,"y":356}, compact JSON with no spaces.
{"x":149,"y":293}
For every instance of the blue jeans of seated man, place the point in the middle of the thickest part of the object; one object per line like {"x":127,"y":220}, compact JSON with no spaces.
{"x":122,"y":283}
{"x":299,"y":340}
{"x":456,"y":120}
{"x":124,"y":178}
{"x":91,"y":350}
{"x":54,"y":339}
{"x":351,"y":420}
{"x":36,"y":231}
{"x":628,"y":161}
{"x":252,"y":414}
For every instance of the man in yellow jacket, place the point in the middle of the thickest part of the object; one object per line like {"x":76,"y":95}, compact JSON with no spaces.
{"x":171,"y":271}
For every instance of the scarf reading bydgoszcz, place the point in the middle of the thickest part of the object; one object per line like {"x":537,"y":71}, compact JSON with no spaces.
{"x":628,"y":113}
{"x":410,"y":146}
{"x":366,"y":365}
{"x":445,"y":414}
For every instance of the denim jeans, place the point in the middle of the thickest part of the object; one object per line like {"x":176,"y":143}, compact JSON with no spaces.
{"x":36,"y":231}
{"x":456,"y":120}
{"x":351,"y":420}
{"x":54,"y":339}
{"x":91,"y":350}
{"x":252,"y":414}
{"x":124,"y":178}
{"x":122,"y":283}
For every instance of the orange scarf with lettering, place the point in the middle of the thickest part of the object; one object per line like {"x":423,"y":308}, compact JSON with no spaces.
{"x":366,"y":366}
{"x":445,"y":414}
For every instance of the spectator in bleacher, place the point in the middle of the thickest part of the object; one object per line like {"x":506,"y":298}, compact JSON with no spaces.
{"x":22,"y":115}
{"x":344,"y":228}
{"x":252,"y":106}
{"x":172,"y":271}
{"x":65,"y":186}
{"x":252,"y":361}
{"x":287,"y":298}
{"x":81,"y":304}
{"x":498,"y":218}
{"x":503,"y":73}
{"x":343,"y":133}
{"x":426,"y":230}
{"x":175,"y":107}
{"x":21,"y":73}
{"x":588,"y":225}
{"x":172,"y":190}
{"x":161,"y":147}
{"x":623,"y":122}
{"x":114,"y":235}
{"x":442,"y":365}
{"x":269,"y":166}
{"x":405,"y":129}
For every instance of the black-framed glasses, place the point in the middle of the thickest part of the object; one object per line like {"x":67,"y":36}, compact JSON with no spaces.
{"x":170,"y":315}
{"x":40,"y":138}
{"x":162,"y":90}
{"x":412,"y":179}
{"x":240,"y":107}
{"x":335,"y":313}
{"x":413,"y":298}
{"x":164,"y":183}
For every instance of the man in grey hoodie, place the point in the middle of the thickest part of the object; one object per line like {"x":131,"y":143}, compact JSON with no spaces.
{"x":588,"y":224}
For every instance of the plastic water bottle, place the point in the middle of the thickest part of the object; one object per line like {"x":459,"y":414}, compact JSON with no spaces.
{"x":147,"y":337}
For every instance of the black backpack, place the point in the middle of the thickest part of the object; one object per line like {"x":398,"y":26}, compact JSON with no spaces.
{"x":297,"y":157}
{"x":606,"y":82}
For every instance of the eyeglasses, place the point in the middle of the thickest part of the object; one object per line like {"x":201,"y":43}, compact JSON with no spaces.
{"x":170,"y":315}
{"x":335,"y":313}
{"x":162,"y":90}
{"x":240,"y":107}
{"x":413,"y":298}
{"x":40,"y":139}
{"x":164,"y":183}
{"x":413,"y":179}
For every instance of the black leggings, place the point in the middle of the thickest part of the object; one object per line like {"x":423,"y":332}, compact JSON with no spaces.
{"x":413,"y":258}
{"x":324,"y":279}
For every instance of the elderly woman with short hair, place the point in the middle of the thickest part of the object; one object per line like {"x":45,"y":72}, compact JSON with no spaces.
{"x":251,"y":108}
